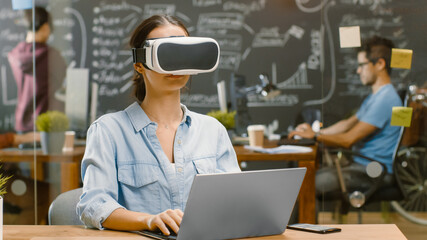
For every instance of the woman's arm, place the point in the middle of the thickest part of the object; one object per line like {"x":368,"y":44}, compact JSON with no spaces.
{"x":122,"y":219}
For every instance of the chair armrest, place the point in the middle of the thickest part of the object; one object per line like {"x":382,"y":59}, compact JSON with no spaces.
{"x":378,"y":180}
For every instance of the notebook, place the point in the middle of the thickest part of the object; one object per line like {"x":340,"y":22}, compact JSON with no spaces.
{"x":239,"y":205}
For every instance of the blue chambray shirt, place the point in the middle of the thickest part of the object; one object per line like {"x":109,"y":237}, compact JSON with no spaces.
{"x":124,"y":165}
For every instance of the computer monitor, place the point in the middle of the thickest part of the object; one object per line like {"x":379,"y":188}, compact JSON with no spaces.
{"x":239,"y":102}
{"x":77,"y":100}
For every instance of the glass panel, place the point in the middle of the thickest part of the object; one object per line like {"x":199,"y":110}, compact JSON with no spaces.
{"x":354,"y":77}
{"x":17,"y":113}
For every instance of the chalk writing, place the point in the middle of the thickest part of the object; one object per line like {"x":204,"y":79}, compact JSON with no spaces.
{"x":200,"y":100}
{"x":281,"y":100}
{"x":316,"y":50}
{"x":220,"y":20}
{"x":229,"y":42}
{"x":107,"y":6}
{"x":206,"y":3}
{"x":154,"y":9}
{"x":270,"y":37}
{"x":229,"y":60}
{"x":10,"y":36}
{"x":245,"y":7}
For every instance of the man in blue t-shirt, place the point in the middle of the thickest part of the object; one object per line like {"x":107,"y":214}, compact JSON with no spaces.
{"x":368,"y":131}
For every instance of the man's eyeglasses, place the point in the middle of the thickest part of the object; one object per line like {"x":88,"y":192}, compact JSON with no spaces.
{"x":359,"y":65}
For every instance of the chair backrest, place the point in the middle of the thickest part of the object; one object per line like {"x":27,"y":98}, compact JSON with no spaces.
{"x":62,"y":210}
{"x":405,"y":99}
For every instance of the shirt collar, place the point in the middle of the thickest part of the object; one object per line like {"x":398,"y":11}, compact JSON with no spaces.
{"x":140,"y":120}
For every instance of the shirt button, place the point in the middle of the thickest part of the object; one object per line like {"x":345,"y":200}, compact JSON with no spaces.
{"x":179,"y":169}
{"x":179,"y":141}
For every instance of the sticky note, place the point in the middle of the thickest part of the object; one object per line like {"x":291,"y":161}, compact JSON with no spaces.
{"x":22,"y":4}
{"x":401,"y":58}
{"x":401,"y":116}
{"x":350,"y":37}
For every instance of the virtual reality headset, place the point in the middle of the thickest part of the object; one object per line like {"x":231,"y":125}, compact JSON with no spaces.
{"x":178,"y":55}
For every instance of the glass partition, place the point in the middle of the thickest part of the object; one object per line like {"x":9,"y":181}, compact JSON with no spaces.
{"x":282,"y":63}
{"x":355,"y":77}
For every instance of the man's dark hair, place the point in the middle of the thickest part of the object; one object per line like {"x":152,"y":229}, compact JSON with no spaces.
{"x":377,"y":47}
{"x":41,"y":17}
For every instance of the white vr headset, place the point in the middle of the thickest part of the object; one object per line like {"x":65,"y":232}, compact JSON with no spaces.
{"x":178,"y":55}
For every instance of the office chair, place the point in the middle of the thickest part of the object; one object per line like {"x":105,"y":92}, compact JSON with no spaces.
{"x":406,"y":187}
{"x":62,"y":210}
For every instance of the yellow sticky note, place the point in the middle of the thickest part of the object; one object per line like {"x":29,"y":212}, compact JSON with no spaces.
{"x":401,"y":58}
{"x":401,"y":116}
{"x":349,"y":36}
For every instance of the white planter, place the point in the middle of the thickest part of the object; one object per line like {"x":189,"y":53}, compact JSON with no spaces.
{"x":52,"y":142}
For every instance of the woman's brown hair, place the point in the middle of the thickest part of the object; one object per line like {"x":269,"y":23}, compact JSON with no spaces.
{"x":137,"y":39}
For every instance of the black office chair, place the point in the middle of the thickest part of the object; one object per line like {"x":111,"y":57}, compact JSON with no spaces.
{"x":406,"y":187}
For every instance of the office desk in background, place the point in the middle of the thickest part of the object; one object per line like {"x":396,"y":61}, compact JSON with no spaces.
{"x":70,"y":163}
{"x":70,"y":169}
{"x":44,"y":232}
{"x":307,"y":197}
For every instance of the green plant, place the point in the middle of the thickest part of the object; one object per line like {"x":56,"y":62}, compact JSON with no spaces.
{"x":52,"y":121}
{"x":3,"y":181}
{"x":226,"y":118}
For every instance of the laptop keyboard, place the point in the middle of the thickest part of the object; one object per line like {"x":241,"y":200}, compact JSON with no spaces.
{"x":298,"y":142}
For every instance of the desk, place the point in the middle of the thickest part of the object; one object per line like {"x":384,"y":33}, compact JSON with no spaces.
{"x":70,"y":163}
{"x":44,"y":232}
{"x":307,"y":197}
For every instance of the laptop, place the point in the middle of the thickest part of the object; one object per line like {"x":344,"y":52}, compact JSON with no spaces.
{"x":284,"y":140}
{"x":238,"y":205}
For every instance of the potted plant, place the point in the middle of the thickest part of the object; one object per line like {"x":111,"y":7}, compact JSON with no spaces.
{"x":52,"y":126}
{"x":226,"y":119}
{"x":3,"y":181}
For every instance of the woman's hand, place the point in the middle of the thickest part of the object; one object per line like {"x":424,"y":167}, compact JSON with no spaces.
{"x":169,"y":218}
{"x":303,"y":130}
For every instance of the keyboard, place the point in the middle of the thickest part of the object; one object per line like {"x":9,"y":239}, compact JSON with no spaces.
{"x":299,"y":142}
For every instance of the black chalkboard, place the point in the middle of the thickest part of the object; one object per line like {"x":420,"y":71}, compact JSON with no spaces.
{"x":295,"y":42}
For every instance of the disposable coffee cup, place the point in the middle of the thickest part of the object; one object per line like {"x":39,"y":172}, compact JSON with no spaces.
{"x":69,"y":141}
{"x":256,"y":135}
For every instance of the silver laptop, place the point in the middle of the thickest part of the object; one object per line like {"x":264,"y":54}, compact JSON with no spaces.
{"x":238,"y":205}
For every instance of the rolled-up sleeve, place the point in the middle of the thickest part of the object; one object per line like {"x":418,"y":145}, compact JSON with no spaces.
{"x":99,"y":173}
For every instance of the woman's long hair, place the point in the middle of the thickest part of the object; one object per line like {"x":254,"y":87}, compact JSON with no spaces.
{"x":138,"y":38}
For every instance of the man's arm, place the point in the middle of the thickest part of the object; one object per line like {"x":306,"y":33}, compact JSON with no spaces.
{"x":347,"y":132}
{"x":341,"y":126}
{"x":26,"y":138}
{"x":347,"y":139}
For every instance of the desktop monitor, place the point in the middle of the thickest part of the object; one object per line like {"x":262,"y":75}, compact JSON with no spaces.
{"x":239,"y":102}
{"x":77,"y":100}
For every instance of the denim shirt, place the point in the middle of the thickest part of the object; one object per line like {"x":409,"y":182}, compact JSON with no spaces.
{"x":124,"y":165}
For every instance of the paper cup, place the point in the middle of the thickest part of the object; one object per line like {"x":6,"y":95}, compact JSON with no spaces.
{"x":256,"y":135}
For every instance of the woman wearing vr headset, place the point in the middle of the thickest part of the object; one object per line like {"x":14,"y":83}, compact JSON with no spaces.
{"x":139,"y":163}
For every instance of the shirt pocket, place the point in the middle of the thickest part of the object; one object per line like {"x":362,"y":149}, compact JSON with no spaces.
{"x":140,"y":184}
{"x":205,"y":165}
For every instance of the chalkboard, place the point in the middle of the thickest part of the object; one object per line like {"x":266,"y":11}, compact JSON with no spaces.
{"x":295,"y":42}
